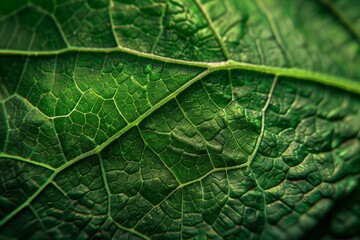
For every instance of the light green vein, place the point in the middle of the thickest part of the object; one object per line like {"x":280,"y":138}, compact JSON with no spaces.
{"x":53,"y":17}
{"x":343,"y":19}
{"x":119,"y":49}
{"x":111,"y":5}
{"x":198,"y":131}
{"x":6,"y":125}
{"x":272,"y":23}
{"x":157,"y":155}
{"x":263,"y":111}
{"x":38,"y":218}
{"x":258,"y":143}
{"x":295,"y":73}
{"x":106,"y":185}
{"x":27,"y":160}
{"x":348,"y":84}
{"x":182,"y":215}
{"x":213,"y":30}
{"x":161,"y":25}
{"x":180,"y":186}
{"x":28,"y":201}
{"x":132,"y":231}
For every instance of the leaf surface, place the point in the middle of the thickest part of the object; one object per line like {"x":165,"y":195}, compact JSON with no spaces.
{"x":179,"y":119}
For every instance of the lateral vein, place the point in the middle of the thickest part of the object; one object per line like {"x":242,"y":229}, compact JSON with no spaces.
{"x":27,"y":202}
{"x":342,"y":19}
{"x":214,"y":31}
{"x":27,"y":160}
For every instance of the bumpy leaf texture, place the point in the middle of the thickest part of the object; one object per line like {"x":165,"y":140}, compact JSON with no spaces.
{"x":179,"y":119}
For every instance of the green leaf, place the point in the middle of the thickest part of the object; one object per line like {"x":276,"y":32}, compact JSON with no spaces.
{"x":181,"y":119}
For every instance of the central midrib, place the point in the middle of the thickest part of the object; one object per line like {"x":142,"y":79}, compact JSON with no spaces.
{"x":348,"y":84}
